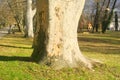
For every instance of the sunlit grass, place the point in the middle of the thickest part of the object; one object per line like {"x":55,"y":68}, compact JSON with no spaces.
{"x":15,"y":52}
{"x":15,"y":45}
{"x":104,"y":47}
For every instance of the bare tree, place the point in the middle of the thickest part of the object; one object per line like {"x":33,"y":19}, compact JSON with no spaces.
{"x":104,"y":12}
{"x":17,"y":8}
{"x":96,"y":18}
{"x":6,"y":16}
{"x":107,"y":17}
{"x":116,"y":21}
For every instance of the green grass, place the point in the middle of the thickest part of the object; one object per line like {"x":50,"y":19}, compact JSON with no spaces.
{"x":15,"y":52}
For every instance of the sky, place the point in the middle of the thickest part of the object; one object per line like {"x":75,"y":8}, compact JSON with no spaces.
{"x":91,"y":2}
{"x":118,"y":4}
{"x":89,"y":6}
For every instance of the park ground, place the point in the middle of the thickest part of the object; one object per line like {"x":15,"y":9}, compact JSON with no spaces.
{"x":15,"y":64}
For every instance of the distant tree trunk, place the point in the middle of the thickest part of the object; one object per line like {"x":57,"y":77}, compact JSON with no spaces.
{"x":19,"y":23}
{"x":116,"y":21}
{"x":96,"y":19}
{"x":56,"y":34}
{"x":107,"y":17}
{"x":29,"y":19}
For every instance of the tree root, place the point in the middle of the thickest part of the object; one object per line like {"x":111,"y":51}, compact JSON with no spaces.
{"x":95,"y":63}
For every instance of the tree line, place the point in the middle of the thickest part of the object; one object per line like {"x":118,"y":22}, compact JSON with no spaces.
{"x":100,"y":14}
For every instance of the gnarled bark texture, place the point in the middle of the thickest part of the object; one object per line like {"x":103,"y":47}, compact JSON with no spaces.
{"x":56,"y":35}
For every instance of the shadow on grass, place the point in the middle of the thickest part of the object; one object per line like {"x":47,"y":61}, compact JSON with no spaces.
{"x":99,"y":40}
{"x":99,"y":45}
{"x":15,"y":46}
{"x":15,"y":58}
{"x":100,"y":49}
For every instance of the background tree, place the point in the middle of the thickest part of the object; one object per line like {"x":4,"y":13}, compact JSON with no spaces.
{"x":6,"y":16}
{"x":116,"y":21}
{"x":103,"y":13}
{"x":29,"y":19}
{"x":17,"y":8}
{"x":97,"y":15}
{"x":106,"y":23}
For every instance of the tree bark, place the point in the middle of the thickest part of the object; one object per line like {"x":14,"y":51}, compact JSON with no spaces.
{"x":29,"y":19}
{"x":116,"y":22}
{"x":55,"y":41}
{"x":96,"y":19}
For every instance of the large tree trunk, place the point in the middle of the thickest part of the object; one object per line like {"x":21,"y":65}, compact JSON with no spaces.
{"x":56,"y":35}
{"x":29,"y":19}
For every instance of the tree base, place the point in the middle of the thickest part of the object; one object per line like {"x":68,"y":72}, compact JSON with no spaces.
{"x":60,"y":63}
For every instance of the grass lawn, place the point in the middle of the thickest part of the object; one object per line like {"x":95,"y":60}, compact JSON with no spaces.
{"x":15,"y":53}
